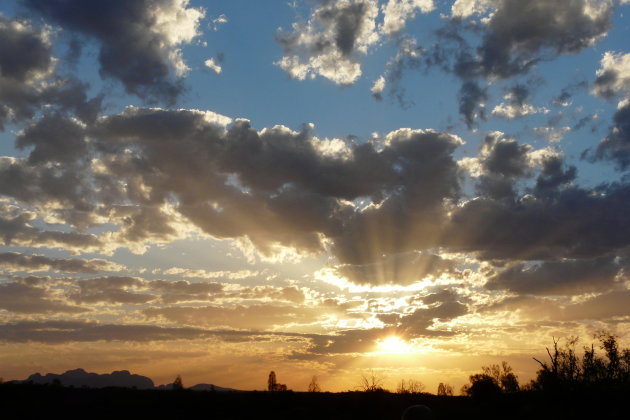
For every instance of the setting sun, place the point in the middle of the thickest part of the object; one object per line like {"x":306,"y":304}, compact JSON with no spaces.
{"x":394,"y":344}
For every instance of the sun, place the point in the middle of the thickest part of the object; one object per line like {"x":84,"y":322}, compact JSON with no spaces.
{"x":394,"y":344}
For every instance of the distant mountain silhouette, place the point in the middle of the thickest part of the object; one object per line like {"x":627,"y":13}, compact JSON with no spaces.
{"x":81,"y":378}
{"x":211,"y":387}
{"x":201,"y":387}
{"x":121,"y":378}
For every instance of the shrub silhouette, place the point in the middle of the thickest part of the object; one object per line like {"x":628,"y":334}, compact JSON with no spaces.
{"x":371,"y":382}
{"x":566,"y":371}
{"x":314,"y":385}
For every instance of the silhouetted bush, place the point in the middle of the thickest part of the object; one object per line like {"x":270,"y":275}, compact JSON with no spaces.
{"x":565,"y":371}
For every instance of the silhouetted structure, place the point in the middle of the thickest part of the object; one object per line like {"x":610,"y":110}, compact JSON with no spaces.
{"x":178,"y":385}
{"x":273,"y":385}
{"x":445,"y":390}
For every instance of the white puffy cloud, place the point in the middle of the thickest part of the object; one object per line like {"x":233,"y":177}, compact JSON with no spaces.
{"x":396,"y":13}
{"x":613,"y":76}
{"x":331,"y":42}
{"x":212,"y":65}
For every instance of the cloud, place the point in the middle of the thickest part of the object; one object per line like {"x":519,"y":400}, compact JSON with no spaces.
{"x":31,"y":296}
{"x":601,"y":307}
{"x":55,"y":332}
{"x":331,"y":41}
{"x":516,"y":105}
{"x":613,"y":80}
{"x":16,"y":229}
{"x":32,"y":263}
{"x":472,"y":100}
{"x":53,"y":138}
{"x":517,"y":33}
{"x":400,"y":269}
{"x":28,"y":79}
{"x":567,"y":277}
{"x":616,"y":146}
{"x":572,"y":222}
{"x":396,"y":13}
{"x":261,"y":316}
{"x":418,"y":322}
{"x":515,"y":37}
{"x":212,"y":65}
{"x":140,"y":40}
{"x":183,"y":291}
{"x":377,"y":88}
{"x":613,"y":77}
{"x":219,"y":21}
{"x":111,"y":289}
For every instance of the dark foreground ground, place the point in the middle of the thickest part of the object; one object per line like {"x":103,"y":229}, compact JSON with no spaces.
{"x":51,"y":402}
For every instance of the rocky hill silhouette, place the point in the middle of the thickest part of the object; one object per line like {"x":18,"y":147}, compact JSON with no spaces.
{"x":81,"y":378}
{"x":121,"y":378}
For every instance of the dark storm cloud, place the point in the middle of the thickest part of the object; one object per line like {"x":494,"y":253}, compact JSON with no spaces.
{"x":567,"y":277}
{"x":516,"y":36}
{"x":521,"y":33}
{"x":53,"y":138}
{"x":25,"y":57}
{"x":28,"y":80}
{"x":56,"y":332}
{"x":616,"y":146}
{"x":568,"y":92}
{"x":15,"y":229}
{"x":220,"y":175}
{"x":17,"y":261}
{"x":29,"y":296}
{"x":471,"y":99}
{"x":503,"y":161}
{"x":68,"y":190}
{"x":571,"y":223}
{"x":136,"y":47}
{"x":24,"y":51}
{"x":602,"y":307}
{"x":554,"y":174}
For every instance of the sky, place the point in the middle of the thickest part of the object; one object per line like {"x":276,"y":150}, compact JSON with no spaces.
{"x":220,"y":188}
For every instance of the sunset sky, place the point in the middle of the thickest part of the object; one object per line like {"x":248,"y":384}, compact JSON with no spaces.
{"x":220,"y":188}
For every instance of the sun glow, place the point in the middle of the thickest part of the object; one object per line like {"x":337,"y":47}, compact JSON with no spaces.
{"x":394,"y":344}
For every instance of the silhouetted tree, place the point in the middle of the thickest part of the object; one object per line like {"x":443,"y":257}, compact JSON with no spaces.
{"x":410,"y":386}
{"x":565,"y":370}
{"x":493,"y":381}
{"x":178,"y":385}
{"x":314,"y":385}
{"x":371,"y":382}
{"x":445,"y":390}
